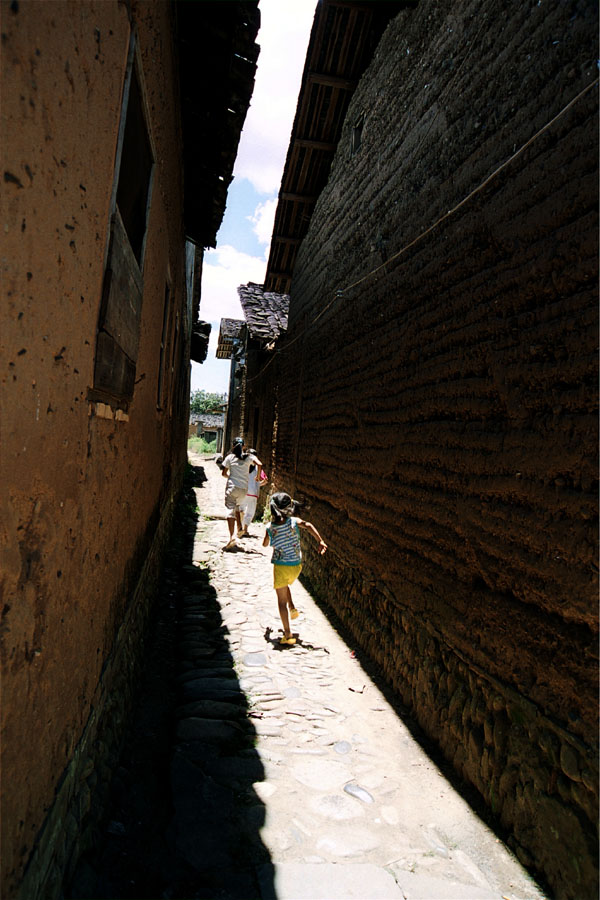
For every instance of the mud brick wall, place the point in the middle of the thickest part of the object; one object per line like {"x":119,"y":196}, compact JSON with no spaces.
{"x":261,"y":405}
{"x":263,"y":387}
{"x":84,"y":488}
{"x":234,"y":422}
{"x":440,"y":414}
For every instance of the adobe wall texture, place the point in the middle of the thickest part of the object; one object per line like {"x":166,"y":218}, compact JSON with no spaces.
{"x":262,"y":388}
{"x":85,"y":497}
{"x":441,"y":413}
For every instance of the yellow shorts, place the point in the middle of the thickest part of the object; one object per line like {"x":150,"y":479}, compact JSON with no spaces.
{"x":284,"y":575}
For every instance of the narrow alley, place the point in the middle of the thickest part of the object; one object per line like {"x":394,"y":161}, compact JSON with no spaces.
{"x":388,"y":285}
{"x":254,"y":770}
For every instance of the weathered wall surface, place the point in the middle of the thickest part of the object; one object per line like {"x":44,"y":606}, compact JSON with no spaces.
{"x":85,"y":496}
{"x":262,"y":414}
{"x":441,"y":413}
{"x":235,"y":408}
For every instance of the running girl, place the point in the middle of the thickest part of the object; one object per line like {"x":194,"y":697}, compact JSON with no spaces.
{"x":284,"y":536}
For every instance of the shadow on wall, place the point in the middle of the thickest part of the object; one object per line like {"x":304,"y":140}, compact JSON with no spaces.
{"x":183,"y":817}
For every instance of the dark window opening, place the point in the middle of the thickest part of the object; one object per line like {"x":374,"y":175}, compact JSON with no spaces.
{"x":161,"y":388}
{"x":174,"y":353}
{"x":134,"y":174}
{"x":182,"y":398}
{"x":119,"y":321}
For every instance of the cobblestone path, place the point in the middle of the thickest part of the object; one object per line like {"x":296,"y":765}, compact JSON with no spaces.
{"x":271,"y":771}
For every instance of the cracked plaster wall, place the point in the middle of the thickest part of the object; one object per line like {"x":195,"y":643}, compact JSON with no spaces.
{"x":84,"y":489}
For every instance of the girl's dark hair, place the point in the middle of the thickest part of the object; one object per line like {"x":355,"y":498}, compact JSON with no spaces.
{"x":253,"y":453}
{"x":238,"y":449}
{"x":282,"y":507}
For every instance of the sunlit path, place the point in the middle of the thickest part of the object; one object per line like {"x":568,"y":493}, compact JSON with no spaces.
{"x":345,"y":783}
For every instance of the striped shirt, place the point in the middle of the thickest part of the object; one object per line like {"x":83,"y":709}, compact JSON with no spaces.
{"x":285,"y":540}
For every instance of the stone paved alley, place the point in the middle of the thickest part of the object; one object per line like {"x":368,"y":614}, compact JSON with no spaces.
{"x":260,"y":771}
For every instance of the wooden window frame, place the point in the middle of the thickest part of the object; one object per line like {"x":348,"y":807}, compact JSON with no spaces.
{"x":120,"y":313}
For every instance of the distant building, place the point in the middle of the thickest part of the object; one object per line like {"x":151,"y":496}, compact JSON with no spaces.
{"x":208,"y":426}
{"x":250,"y":344}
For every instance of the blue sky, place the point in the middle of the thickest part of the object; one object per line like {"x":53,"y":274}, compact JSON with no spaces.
{"x":236,"y":229}
{"x":243,"y":240}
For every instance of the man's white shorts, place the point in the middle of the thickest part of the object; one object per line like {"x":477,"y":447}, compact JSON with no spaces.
{"x":234,"y":498}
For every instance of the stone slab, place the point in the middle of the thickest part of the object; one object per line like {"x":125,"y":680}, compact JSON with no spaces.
{"x":209,"y":836}
{"x":321,"y":775}
{"x":422,"y":887}
{"x":326,"y":881}
{"x":210,"y":731}
{"x":255,"y":659}
{"x":211,"y":709}
{"x":237,"y":768}
{"x":192,"y":693}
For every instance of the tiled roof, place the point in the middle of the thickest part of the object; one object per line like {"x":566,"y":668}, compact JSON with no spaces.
{"x":229,"y":331}
{"x":209,"y":420}
{"x":199,"y":343}
{"x":342,"y":43}
{"x":217,"y":54}
{"x":266,"y":312}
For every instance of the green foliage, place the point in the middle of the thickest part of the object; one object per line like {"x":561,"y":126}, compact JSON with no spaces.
{"x":205,"y":402}
{"x":266,"y":515}
{"x":199,"y":445}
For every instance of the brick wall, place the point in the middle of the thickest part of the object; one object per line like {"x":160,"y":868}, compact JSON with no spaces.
{"x":441,"y":413}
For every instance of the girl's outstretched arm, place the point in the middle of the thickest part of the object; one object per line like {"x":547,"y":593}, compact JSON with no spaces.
{"x":266,"y":539}
{"x":312,"y":530}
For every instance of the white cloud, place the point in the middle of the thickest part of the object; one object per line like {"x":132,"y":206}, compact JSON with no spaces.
{"x":223,"y":271}
{"x":262,"y":221}
{"x":283,"y":38}
{"x":213,"y":374}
